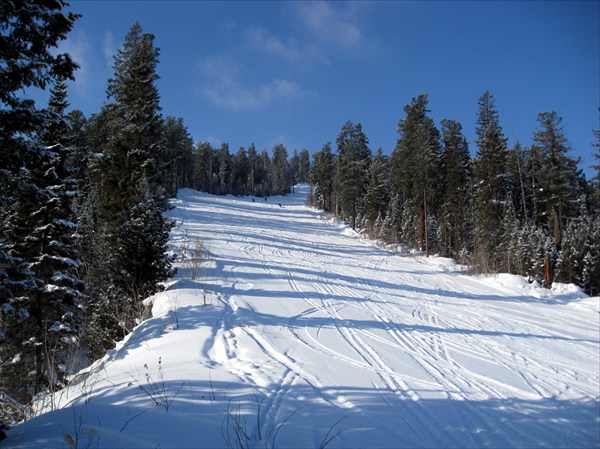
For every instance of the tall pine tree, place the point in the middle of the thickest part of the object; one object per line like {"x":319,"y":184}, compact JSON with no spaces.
{"x":415,"y":167}
{"x":30,"y":209}
{"x":557,"y":187}
{"x":456,"y":213}
{"x":354,"y":158}
{"x":491,"y":182}
{"x":132,"y":191}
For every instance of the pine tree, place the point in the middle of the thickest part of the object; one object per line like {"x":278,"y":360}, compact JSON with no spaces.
{"x":61,"y":291}
{"x":304,"y":168}
{"x":223,"y":161}
{"x":492,"y":183}
{"x":415,"y":167}
{"x":377,"y":195}
{"x":557,"y":176}
{"x":262,"y":173}
{"x":132,"y":158}
{"x":28,"y":32}
{"x":203,"y":167}
{"x":321,"y":178}
{"x":456,"y":220}
{"x":294,"y":164}
{"x":178,"y":167}
{"x":521,"y":190}
{"x":240,"y":170}
{"x":253,"y":169}
{"x":353,"y":164}
{"x":280,"y":173}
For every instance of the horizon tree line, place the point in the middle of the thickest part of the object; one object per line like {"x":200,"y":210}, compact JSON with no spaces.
{"x":526,"y":211}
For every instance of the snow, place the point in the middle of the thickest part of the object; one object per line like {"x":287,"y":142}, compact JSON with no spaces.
{"x":300,"y":333}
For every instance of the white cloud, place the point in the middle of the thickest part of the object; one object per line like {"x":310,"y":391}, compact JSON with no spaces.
{"x":331,"y":25}
{"x":109,"y":49}
{"x":291,"y":50}
{"x":227,"y":84}
{"x":78,"y":46}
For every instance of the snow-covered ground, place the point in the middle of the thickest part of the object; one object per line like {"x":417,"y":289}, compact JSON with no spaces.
{"x":299,"y":333}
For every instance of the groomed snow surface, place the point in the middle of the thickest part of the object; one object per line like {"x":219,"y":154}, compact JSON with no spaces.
{"x":295,"y":332}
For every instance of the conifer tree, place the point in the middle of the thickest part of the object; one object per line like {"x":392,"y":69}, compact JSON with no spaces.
{"x":203,"y":167}
{"x":455,"y":216}
{"x":28,"y":32}
{"x":129,"y":181}
{"x":223,"y":160}
{"x":294,"y":164}
{"x":178,"y":167}
{"x":491,"y":181}
{"x":354,"y":158}
{"x":280,"y":173}
{"x":253,"y":169}
{"x":415,"y":166}
{"x":304,"y":167}
{"x":557,"y":178}
{"x":321,"y":176}
{"x":239,"y":172}
{"x":263,"y":183}
{"x":377,"y":195}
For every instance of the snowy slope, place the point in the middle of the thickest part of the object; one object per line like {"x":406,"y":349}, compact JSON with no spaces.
{"x":298,"y":333}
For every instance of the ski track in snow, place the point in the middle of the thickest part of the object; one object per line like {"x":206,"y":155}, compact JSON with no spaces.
{"x":311,"y":324}
{"x":462,"y":338}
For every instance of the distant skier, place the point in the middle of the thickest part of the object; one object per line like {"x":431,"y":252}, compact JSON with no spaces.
{"x":280,"y":205}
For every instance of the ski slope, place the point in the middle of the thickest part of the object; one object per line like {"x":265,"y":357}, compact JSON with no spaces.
{"x":298,"y":333}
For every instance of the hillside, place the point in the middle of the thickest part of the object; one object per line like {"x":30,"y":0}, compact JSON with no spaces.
{"x":293,"y":331}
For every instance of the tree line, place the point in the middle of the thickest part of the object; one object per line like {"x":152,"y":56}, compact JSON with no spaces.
{"x":247,"y":172}
{"x":526,"y":211}
{"x":83,"y":234}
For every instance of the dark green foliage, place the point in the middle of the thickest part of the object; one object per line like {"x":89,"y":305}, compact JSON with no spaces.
{"x":321,"y":178}
{"x":456,"y":214}
{"x":38,"y":286}
{"x":354,"y":158}
{"x":240,"y":171}
{"x":491,"y":179}
{"x":140,"y":251}
{"x":377,"y":195}
{"x":415,"y":166}
{"x":133,"y":170}
{"x":247,"y":172}
{"x":304,"y":167}
{"x":280,"y":172}
{"x":503,"y":211}
{"x":556,"y":187}
{"x":178,"y":171}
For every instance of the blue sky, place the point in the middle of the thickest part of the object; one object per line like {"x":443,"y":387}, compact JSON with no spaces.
{"x":295,"y":72}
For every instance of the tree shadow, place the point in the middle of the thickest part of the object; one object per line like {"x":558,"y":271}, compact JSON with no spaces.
{"x":208,"y":414}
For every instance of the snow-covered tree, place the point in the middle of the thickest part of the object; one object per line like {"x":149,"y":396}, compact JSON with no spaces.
{"x":415,"y":167}
{"x":280,"y":172}
{"x":456,"y":222}
{"x":353,"y":159}
{"x":321,"y":178}
{"x":129,"y":167}
{"x":557,"y":188}
{"x":29,"y":30}
{"x":491,"y":181}
{"x":377,"y":195}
